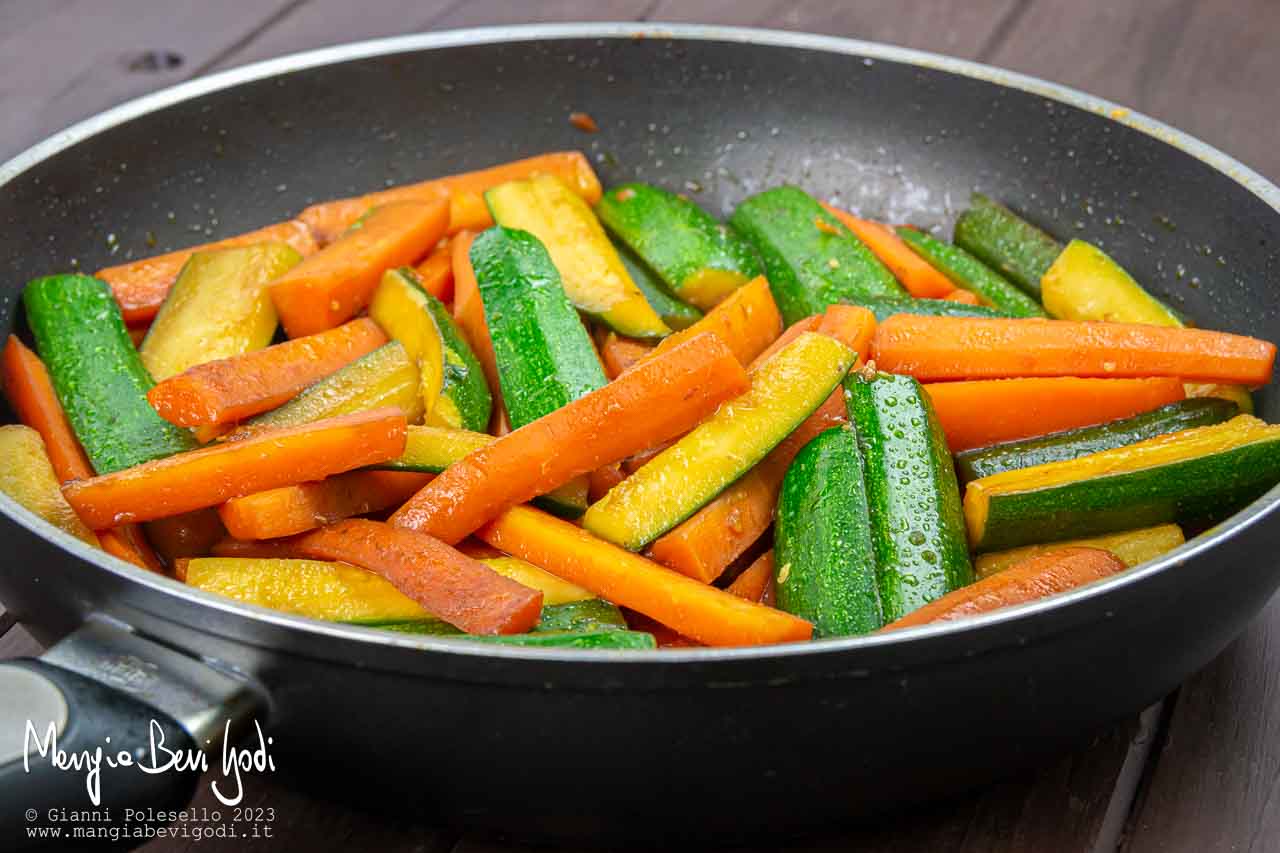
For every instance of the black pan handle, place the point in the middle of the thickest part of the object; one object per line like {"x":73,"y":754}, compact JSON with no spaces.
{"x":104,"y":733}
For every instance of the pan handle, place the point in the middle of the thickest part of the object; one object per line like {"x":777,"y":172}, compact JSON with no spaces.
{"x":104,"y":733}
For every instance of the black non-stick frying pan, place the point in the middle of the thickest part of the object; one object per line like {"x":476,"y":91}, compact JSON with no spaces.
{"x":720,"y":744}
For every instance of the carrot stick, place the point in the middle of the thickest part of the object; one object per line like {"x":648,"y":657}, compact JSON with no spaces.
{"x":191,"y":534}
{"x":694,"y":609}
{"x":755,"y":579}
{"x":212,"y":475}
{"x":789,"y":334}
{"x":982,"y":412}
{"x":618,"y":354}
{"x":329,"y":287}
{"x":305,"y":506}
{"x":747,"y":320}
{"x":464,"y":191}
{"x":141,"y":286}
{"x":468,"y":310}
{"x":436,"y":272}
{"x":703,"y":545}
{"x":267,"y":549}
{"x":138,"y":334}
{"x":919,"y":278}
{"x":1033,"y":578}
{"x":941,"y":348}
{"x":231,"y":389}
{"x":463,"y":592}
{"x":850,"y":325}
{"x":30,"y":392}
{"x":651,"y":403}
{"x":964,"y":297}
{"x":603,"y":479}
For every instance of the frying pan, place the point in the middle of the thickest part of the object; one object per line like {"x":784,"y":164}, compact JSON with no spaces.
{"x":695,"y":743}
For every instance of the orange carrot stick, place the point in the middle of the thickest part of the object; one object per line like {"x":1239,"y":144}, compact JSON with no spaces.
{"x":468,"y":310}
{"x":191,"y":534}
{"x":329,"y":287}
{"x":603,"y":479}
{"x":618,"y":354}
{"x":919,"y":278}
{"x":27,"y":385}
{"x":694,"y":609}
{"x":267,"y":549}
{"x":215,"y":474}
{"x":1033,"y":578}
{"x":754,"y":580}
{"x":964,"y":297}
{"x":747,"y":320}
{"x":30,"y":392}
{"x":655,"y":401}
{"x":141,"y":286}
{"x":465,"y":192}
{"x":436,"y":272}
{"x":306,"y":506}
{"x":789,"y":334}
{"x":851,"y":325}
{"x":703,"y":545}
{"x":460,"y":590}
{"x":231,"y":389}
{"x":942,"y":348}
{"x":975,"y":414}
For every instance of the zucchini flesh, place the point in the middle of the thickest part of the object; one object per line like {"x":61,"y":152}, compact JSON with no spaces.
{"x":1074,"y":443}
{"x":26,"y":475}
{"x":592,"y":273}
{"x":218,"y":308}
{"x":826,"y":568}
{"x":676,"y":314}
{"x":1195,"y":476}
{"x":968,"y":272}
{"x":917,"y":524}
{"x":1084,"y":283}
{"x":97,"y":374}
{"x":886,"y":308}
{"x":385,"y":377}
{"x":1005,"y":241}
{"x":544,"y":355}
{"x":1132,"y":547}
{"x":699,"y":259}
{"x":454,"y":391}
{"x":811,"y":259}
{"x":785,"y":389}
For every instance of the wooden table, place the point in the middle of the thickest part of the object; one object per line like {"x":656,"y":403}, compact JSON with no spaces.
{"x":1198,"y":772}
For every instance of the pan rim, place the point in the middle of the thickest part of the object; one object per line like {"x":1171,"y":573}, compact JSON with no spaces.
{"x":1222,"y":163}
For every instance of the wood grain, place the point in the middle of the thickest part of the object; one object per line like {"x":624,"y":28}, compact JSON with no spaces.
{"x":1204,"y":67}
{"x":1216,"y":784}
{"x":64,"y":60}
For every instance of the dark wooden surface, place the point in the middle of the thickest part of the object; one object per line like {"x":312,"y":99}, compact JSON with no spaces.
{"x":1199,"y":771}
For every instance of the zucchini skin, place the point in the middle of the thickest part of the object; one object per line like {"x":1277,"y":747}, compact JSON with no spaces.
{"x":1073,"y":443}
{"x":917,"y":522}
{"x":676,"y":314}
{"x":886,"y":308}
{"x":545,"y":358}
{"x":972,"y":274}
{"x":464,"y":382}
{"x":826,"y":568}
{"x":810,"y":266}
{"x":1195,"y":491}
{"x":593,"y":616}
{"x":98,"y":375}
{"x":678,"y":240}
{"x":1007,"y":242}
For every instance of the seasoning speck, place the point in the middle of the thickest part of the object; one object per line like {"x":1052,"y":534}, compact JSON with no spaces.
{"x":584,"y":122}
{"x":784,"y":573}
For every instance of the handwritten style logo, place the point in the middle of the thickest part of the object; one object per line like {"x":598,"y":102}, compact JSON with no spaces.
{"x":157,"y":758}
